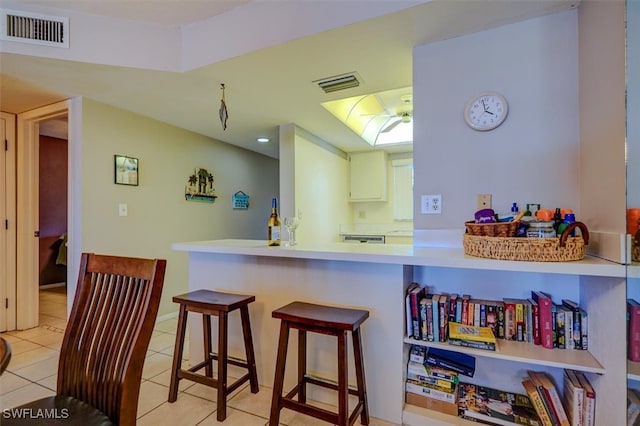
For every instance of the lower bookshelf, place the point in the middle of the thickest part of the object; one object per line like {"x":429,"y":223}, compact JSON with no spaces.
{"x":528,"y":352}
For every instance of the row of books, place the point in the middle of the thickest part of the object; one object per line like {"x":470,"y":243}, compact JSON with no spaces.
{"x":536,"y":320}
{"x":576,"y":407}
{"x":633,"y":330}
{"x":436,"y":380}
{"x":433,"y":375}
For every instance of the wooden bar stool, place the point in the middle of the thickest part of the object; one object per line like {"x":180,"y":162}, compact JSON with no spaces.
{"x":324,"y":320}
{"x":210,"y":303}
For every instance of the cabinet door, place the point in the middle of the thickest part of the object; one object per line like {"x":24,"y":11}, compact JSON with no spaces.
{"x":368,"y":176}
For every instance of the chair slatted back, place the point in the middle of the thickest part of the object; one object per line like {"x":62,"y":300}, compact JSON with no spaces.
{"x":108,"y":333}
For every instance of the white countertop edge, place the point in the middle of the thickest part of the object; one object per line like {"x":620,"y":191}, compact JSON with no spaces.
{"x":400,"y":254}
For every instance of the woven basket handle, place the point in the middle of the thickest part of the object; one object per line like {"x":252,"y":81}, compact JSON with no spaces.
{"x":570,"y":227}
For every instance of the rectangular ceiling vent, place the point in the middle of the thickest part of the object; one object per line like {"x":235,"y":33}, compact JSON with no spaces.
{"x":339,"y":82}
{"x":34,"y":28}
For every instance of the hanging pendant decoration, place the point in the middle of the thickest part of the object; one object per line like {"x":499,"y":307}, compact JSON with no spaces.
{"x":223,"y":110}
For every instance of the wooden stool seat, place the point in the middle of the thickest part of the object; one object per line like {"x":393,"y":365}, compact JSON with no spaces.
{"x":326,"y":320}
{"x":208,"y":303}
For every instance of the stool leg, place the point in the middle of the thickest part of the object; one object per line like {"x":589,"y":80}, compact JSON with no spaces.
{"x":206,"y":327}
{"x":248,"y":348}
{"x":343,"y":384}
{"x":278,"y":381}
{"x":177,"y":354}
{"x":302,"y":365}
{"x":362,"y":387}
{"x":222,"y":366}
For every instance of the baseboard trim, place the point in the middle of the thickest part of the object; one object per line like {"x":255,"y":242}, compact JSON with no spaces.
{"x":168,"y":316}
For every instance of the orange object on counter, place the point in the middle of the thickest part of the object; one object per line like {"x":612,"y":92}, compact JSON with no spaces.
{"x":563,"y":212}
{"x":633,"y":215}
{"x":544,"y":214}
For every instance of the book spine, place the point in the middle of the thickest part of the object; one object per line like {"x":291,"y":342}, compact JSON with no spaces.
{"x":537,"y":339}
{"x":453,"y":304}
{"x":444,"y":385}
{"x":633,"y":333}
{"x":509,"y":320}
{"x":560,"y":329}
{"x":436,"y":318}
{"x":465,"y":311}
{"x":476,"y":314}
{"x":470,"y":312}
{"x":415,"y":313}
{"x":417,"y":354}
{"x":415,"y":387}
{"x":538,"y":405}
{"x":520,"y":330}
{"x":472,"y":344}
{"x":429,"y":308}
{"x":528,"y":321}
{"x":546,"y":328}
{"x":556,"y":402}
{"x":573,"y":395}
{"x":448,"y":365}
{"x":584,"y":330}
{"x":554,"y":331}
{"x":500,"y":320}
{"x":408,"y":315}
{"x":444,"y":318}
{"x":458,"y":310}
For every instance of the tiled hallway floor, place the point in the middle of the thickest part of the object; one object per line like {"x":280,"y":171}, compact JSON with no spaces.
{"x":33,"y":369}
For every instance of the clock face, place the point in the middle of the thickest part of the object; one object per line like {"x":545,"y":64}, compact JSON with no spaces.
{"x":486,"y":111}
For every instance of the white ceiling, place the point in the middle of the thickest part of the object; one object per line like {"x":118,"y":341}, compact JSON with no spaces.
{"x":264,"y":88}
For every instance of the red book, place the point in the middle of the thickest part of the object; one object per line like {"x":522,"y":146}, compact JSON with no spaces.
{"x":633,"y":330}
{"x":545,"y":318}
{"x":509,"y":319}
{"x":465,"y":309}
{"x":536,"y":322}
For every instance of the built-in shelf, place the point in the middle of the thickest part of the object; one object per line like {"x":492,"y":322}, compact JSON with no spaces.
{"x":415,"y":416}
{"x":633,"y":270}
{"x":528,"y":352}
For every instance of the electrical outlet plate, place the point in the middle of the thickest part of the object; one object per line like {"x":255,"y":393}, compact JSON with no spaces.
{"x":122,"y":210}
{"x":484,"y":201}
{"x":431,"y":204}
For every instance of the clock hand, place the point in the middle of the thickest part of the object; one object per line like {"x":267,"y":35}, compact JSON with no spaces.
{"x":488,"y":112}
{"x":484,"y":106}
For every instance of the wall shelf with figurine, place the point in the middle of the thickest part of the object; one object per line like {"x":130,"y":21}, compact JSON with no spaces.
{"x":200,"y":187}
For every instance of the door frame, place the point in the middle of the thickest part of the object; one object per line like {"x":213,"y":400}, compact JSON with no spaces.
{"x":8,"y":235}
{"x":27,"y":192}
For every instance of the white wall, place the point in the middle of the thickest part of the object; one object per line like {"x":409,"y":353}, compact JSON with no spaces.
{"x":321,"y":188}
{"x":602,"y":114}
{"x":158,"y":213}
{"x":534,"y":156}
{"x":633,"y":103}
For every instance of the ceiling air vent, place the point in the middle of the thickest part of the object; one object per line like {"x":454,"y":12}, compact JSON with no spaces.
{"x":338,"y":82}
{"x":34,"y":28}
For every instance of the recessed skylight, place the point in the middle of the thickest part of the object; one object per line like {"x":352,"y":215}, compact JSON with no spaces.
{"x":263,"y":140}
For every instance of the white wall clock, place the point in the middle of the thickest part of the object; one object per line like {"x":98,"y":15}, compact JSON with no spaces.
{"x":486,"y":111}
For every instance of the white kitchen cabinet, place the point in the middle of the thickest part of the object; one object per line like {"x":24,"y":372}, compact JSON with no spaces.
{"x":368,"y":176}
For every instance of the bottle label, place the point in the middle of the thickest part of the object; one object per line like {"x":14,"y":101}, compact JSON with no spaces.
{"x":275,"y":233}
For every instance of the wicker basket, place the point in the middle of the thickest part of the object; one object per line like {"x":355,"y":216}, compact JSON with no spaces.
{"x":497,"y":229}
{"x":559,"y":249}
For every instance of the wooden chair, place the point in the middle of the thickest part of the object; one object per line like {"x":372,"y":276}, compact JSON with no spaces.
{"x":105,"y":342}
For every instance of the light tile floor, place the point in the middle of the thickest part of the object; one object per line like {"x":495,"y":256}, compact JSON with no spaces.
{"x":33,"y":369}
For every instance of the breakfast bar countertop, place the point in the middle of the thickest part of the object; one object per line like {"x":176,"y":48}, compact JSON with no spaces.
{"x":399,"y":254}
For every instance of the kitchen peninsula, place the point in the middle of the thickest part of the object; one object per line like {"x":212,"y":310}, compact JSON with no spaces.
{"x":374,"y":277}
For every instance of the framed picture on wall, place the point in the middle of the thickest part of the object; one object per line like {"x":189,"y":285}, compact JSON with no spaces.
{"x":125,"y":170}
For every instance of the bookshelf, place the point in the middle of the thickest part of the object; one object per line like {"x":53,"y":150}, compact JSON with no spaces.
{"x":529,"y":353}
{"x":597,"y":285}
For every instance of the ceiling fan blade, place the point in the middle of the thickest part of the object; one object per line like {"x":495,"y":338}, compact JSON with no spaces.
{"x":391,"y":126}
